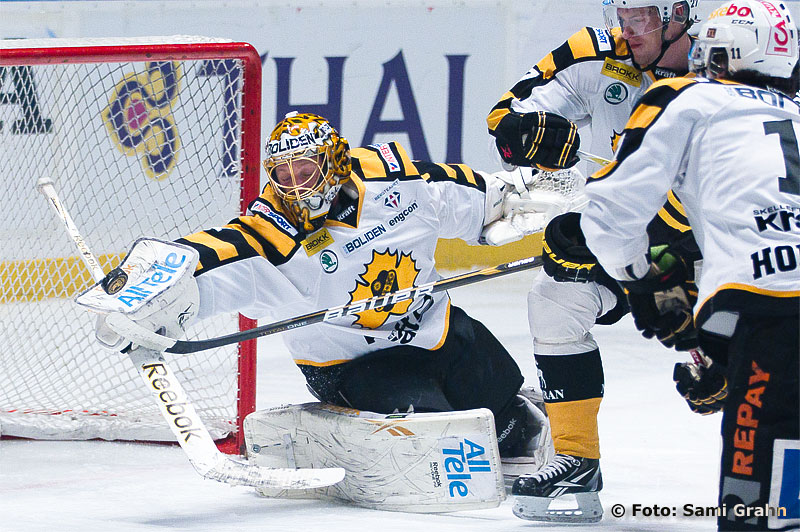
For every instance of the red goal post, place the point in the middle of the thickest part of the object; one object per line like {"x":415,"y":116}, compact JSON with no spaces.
{"x":151,"y":136}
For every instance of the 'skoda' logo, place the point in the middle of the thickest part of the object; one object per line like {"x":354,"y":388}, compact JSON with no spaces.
{"x":387,"y":272}
{"x":616,"y":93}
{"x":329,"y":261}
{"x":139,"y":117}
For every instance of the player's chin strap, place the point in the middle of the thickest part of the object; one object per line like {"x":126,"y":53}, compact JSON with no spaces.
{"x":665,"y":44}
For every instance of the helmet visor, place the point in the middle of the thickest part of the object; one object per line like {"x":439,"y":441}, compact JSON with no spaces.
{"x":708,"y":60}
{"x":633,"y":21}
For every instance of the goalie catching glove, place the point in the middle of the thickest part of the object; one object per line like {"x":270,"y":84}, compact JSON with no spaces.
{"x":523,"y":201}
{"x":161,"y":293}
{"x":544,"y":140}
{"x":660,"y":301}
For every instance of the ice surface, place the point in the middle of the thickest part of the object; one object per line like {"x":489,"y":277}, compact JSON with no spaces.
{"x":655,"y":451}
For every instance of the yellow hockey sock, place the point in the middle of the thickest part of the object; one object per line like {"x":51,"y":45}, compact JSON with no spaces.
{"x":574,"y":427}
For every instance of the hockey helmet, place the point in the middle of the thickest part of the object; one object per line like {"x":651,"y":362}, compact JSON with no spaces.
{"x":679,"y":11}
{"x":746,"y":35}
{"x":672,"y":18}
{"x":307,"y":162}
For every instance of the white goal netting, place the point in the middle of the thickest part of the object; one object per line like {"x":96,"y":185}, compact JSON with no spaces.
{"x":138,"y":143}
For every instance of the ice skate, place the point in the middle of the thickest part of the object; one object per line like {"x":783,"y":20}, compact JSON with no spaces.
{"x":564,"y":475}
{"x":537,"y":449}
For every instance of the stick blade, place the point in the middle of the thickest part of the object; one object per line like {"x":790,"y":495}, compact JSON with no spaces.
{"x":240,"y":474}
{"x":43,"y":182}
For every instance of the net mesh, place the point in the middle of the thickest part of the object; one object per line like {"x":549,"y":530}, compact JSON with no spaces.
{"x":135,"y":149}
{"x":568,"y":183}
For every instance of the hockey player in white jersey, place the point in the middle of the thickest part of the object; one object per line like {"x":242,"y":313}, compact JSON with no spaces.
{"x":591,"y":81}
{"x":727,"y":143}
{"x":336,"y":225}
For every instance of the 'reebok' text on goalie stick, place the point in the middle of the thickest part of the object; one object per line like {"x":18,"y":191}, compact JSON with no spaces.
{"x":174,"y":405}
{"x":134,"y":332}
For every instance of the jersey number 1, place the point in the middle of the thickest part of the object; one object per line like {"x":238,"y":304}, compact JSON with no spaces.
{"x":791,"y":155}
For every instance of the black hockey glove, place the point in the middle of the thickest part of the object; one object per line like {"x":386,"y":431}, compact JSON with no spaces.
{"x":540,"y":139}
{"x":660,"y":302}
{"x":564,"y":253}
{"x":702,"y":384}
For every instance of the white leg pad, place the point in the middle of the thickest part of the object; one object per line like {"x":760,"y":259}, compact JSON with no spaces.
{"x":432,"y":462}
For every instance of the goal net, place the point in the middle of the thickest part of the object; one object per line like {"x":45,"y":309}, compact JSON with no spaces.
{"x":143,"y":137}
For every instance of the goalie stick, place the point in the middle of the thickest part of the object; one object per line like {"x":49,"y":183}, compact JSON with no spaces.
{"x":129,"y":329}
{"x":174,"y":405}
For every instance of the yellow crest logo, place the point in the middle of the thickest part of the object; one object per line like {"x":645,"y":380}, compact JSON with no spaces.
{"x":615,"y":140}
{"x":387,"y":272}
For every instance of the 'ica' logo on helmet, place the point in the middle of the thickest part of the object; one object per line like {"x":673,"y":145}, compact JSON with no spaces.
{"x":616,"y":93}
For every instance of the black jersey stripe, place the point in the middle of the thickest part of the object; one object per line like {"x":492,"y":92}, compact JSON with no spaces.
{"x":383,"y":162}
{"x":674,"y":214}
{"x":217,"y":247}
{"x":275,"y":245}
{"x":459,"y":173}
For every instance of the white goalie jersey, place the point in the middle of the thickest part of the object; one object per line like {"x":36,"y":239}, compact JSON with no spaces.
{"x":379,"y":237}
{"x":730,"y":151}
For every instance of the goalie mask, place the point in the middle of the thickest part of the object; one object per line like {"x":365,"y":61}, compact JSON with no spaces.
{"x":638,"y":18}
{"x":307,"y":162}
{"x":746,"y":36}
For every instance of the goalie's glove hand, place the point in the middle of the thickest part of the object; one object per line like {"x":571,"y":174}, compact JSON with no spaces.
{"x":660,"y":302}
{"x":541,"y":139}
{"x":564,"y":253}
{"x":521,"y":202}
{"x":161,"y":293}
{"x":702,"y":384}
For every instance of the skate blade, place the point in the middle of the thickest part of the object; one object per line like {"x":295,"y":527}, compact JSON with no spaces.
{"x":588,"y":510}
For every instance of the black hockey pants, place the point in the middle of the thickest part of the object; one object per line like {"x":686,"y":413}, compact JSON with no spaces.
{"x":760,"y":470}
{"x":470,"y":370}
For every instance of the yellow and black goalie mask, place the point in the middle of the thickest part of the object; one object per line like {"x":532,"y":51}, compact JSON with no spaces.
{"x":307,"y":162}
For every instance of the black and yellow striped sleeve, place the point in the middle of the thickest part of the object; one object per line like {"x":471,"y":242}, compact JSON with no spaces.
{"x":390,"y":161}
{"x":460,"y":174}
{"x":383,"y":162}
{"x":670,"y":224}
{"x":580,"y":47}
{"x":265,"y":235}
